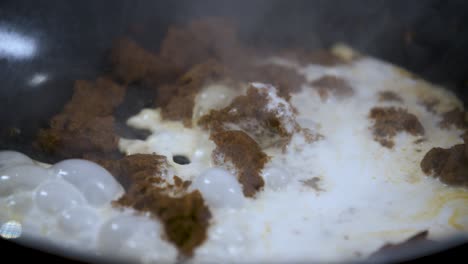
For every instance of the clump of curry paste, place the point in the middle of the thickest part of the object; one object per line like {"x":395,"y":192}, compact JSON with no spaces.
{"x":252,"y":113}
{"x":185,"y":216}
{"x":389,"y":96}
{"x":330,"y":84}
{"x":286,"y":80}
{"x":388,"y":121}
{"x":245,"y":154}
{"x":430,"y":105}
{"x":191,"y":56}
{"x":200,"y":40}
{"x":454,"y":117}
{"x":177,"y":100}
{"x":448,"y":165}
{"x":86,"y":125}
{"x":136,"y":168}
{"x":131,"y":63}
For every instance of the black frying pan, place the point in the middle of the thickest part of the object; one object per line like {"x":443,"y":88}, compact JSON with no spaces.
{"x":69,"y":40}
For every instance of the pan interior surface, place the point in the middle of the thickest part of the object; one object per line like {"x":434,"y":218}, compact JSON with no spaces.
{"x":55,"y":46}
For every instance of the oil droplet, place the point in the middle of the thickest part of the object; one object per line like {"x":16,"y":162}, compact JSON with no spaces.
{"x":405,"y":73}
{"x":413,"y":178}
{"x":438,"y":202}
{"x":392,"y":233}
{"x":457,"y":215}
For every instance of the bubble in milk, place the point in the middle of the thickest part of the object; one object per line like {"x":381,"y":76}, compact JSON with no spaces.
{"x":276,"y":178}
{"x":10,"y":158}
{"x":20,"y":203}
{"x":219,"y":188}
{"x":55,"y":196}
{"x":97,"y":185}
{"x":22,"y":178}
{"x":78,"y":219}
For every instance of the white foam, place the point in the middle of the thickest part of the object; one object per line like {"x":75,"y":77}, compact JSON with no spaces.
{"x":219,"y":188}
{"x":213,"y":97}
{"x":115,"y":232}
{"x":227,"y":242}
{"x":50,"y":204}
{"x":21,"y":178}
{"x":277,"y":105}
{"x":276,"y":178}
{"x":171,"y":138}
{"x":78,"y":219}
{"x":97,"y":185}
{"x":134,"y":237}
{"x":10,"y":158}
{"x":55,"y":196}
{"x":19,"y":204}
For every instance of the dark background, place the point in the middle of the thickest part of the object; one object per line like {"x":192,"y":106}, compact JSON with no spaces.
{"x":19,"y":254}
{"x":73,"y":37}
